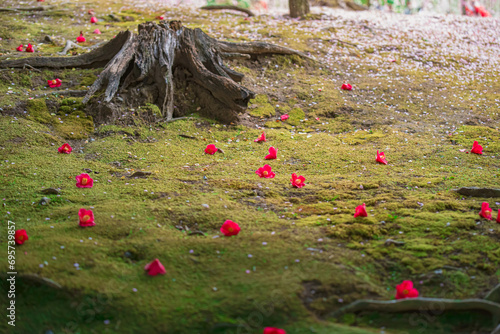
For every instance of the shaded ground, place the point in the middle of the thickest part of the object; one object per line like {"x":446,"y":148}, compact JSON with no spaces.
{"x":424,"y":89}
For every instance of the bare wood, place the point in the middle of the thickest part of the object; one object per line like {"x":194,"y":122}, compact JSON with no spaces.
{"x":416,"y":304}
{"x":94,"y":59}
{"x":221,"y":7}
{"x":159,"y":63}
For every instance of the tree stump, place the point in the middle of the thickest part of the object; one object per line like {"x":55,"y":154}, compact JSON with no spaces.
{"x":165,"y":64}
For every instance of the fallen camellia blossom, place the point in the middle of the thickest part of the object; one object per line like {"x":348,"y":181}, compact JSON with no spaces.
{"x":155,"y":268}
{"x":211,"y":149}
{"x":84,"y":181}
{"x":93,"y":19}
{"x":230,"y":228}
{"x":346,"y":86}
{"x":20,"y":48}
{"x":476,"y":148}
{"x":97,"y":31}
{"x":360,"y":211}
{"x":273,"y":330}
{"x":486,"y":211}
{"x":272,"y":153}
{"x":86,"y":218}
{"x":161,"y":17}
{"x":498,"y":217}
{"x":406,"y":290}
{"x":29,"y":48}
{"x":297,"y":181}
{"x":284,"y":117}
{"x":65,"y":148}
{"x":80,"y":39}
{"x":54,"y":83}
{"x":265,"y":172}
{"x":20,"y":237}
{"x":381,"y":158}
{"x":261,"y":138}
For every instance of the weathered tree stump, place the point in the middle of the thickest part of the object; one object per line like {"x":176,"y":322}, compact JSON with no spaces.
{"x":165,"y":64}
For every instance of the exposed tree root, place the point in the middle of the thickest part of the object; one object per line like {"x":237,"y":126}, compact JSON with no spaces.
{"x":157,"y":64}
{"x":419,"y":304}
{"x":244,"y":10}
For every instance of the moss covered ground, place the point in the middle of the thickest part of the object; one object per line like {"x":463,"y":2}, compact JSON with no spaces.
{"x":300,"y":255}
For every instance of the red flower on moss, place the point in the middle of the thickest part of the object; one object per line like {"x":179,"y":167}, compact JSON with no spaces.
{"x":161,"y":17}
{"x":54,"y":83}
{"x":261,"y":138}
{"x":284,"y":117}
{"x":406,"y":290}
{"x":65,"y":148}
{"x":84,"y":181}
{"x":20,"y":237}
{"x":230,"y":228}
{"x":86,"y":218}
{"x":360,"y":211}
{"x":20,"y":48}
{"x":211,"y":149}
{"x":93,"y":19}
{"x":498,"y":217}
{"x":29,"y":48}
{"x":97,"y":31}
{"x":265,"y":172}
{"x":476,"y":148}
{"x":486,"y":211}
{"x":346,"y":86}
{"x":155,"y":268}
{"x":272,"y":153}
{"x":80,"y":39}
{"x":273,"y":330}
{"x":381,"y":158}
{"x":297,"y":181}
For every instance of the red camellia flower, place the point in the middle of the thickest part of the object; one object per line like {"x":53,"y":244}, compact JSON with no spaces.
{"x":297,"y":181}
{"x":29,"y":48}
{"x":80,"y":39}
{"x":93,"y":19}
{"x":284,"y":117}
{"x":20,"y":48}
{"x":360,"y":211}
{"x":265,"y":172}
{"x":230,"y":228}
{"x":486,"y":211}
{"x":381,"y":158}
{"x":54,"y":83}
{"x":346,"y":86}
{"x":161,"y":17}
{"x":272,"y":153}
{"x":476,"y":148}
{"x":261,"y":138}
{"x":273,"y":330}
{"x":20,"y":237}
{"x":155,"y":268}
{"x":84,"y":181}
{"x":498,"y":217}
{"x":211,"y":149}
{"x":86,"y":218}
{"x":65,"y":148}
{"x":406,"y":290}
{"x":97,"y":31}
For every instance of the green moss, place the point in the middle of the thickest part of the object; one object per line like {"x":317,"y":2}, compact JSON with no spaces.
{"x":88,"y":80}
{"x":74,"y":127}
{"x":260,"y":106}
{"x":296,"y":115}
{"x":38,"y":111}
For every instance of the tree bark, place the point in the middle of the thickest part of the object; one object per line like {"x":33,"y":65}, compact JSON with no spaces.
{"x":173,"y":67}
{"x":298,"y":8}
